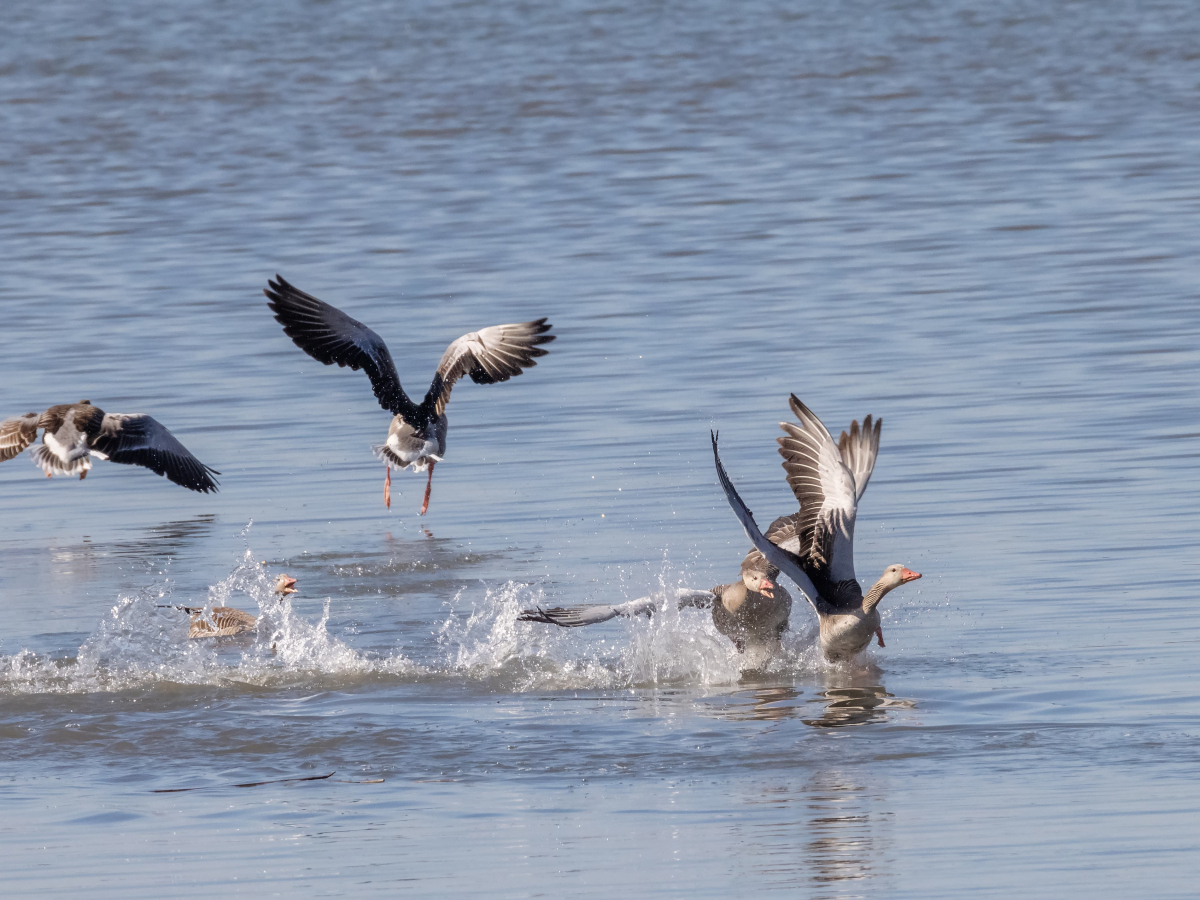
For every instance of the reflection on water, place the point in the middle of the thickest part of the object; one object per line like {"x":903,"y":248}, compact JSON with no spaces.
{"x":767,"y":704}
{"x":830,"y":831}
{"x":847,"y":699}
{"x":166,"y":539}
{"x":843,"y":843}
{"x":855,"y":705}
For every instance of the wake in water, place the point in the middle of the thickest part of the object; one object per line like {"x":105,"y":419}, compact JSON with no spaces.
{"x":144,"y":640}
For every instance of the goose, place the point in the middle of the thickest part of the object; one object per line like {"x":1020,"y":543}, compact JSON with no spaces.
{"x":752,"y":611}
{"x":417,"y":436}
{"x":828,"y":480}
{"x":225,"y":621}
{"x":73,"y":433}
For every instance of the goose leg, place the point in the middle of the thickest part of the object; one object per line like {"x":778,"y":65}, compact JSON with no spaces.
{"x":387,"y":486}
{"x":879,"y":634}
{"x":83,"y":474}
{"x":428,"y":488}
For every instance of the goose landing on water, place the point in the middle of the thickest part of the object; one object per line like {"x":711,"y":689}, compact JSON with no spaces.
{"x":75,"y":432}
{"x":752,"y":612}
{"x":417,"y":436}
{"x":225,"y":621}
{"x":828,"y":480}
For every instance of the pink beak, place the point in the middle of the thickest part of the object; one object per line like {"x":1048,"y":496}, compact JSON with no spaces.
{"x":288,"y":585}
{"x":907,"y":575}
{"x":766,"y":588}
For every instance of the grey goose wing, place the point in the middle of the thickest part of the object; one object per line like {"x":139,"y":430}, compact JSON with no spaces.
{"x":330,"y":336}
{"x":825,"y":489}
{"x":782,"y":533}
{"x":140,"y":440}
{"x":17,"y":433}
{"x":489,"y":356}
{"x":578,"y":616}
{"x":785,"y":561}
{"x":859,"y":448}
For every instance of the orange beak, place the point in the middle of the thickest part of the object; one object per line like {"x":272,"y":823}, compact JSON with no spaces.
{"x":907,"y":575}
{"x":286,"y":586}
{"x":766,"y":588}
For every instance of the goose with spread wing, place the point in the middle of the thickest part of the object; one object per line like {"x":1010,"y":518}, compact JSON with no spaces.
{"x":828,"y":479}
{"x":73,"y":433}
{"x":417,"y":437}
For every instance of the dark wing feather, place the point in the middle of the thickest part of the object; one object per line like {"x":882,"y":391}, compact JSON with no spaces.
{"x":16,"y":434}
{"x":330,"y":336}
{"x":488,"y":356}
{"x":859,"y":450}
{"x":788,"y":563}
{"x":140,"y":440}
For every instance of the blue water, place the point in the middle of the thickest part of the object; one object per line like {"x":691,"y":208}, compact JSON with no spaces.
{"x":977,"y":223}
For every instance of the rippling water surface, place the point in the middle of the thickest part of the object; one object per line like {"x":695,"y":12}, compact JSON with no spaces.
{"x":976,"y":221}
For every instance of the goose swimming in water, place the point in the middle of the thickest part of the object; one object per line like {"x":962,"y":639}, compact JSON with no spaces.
{"x":226,"y":621}
{"x":75,"y":432}
{"x":417,"y":436}
{"x":752,"y":611}
{"x":828,"y":480}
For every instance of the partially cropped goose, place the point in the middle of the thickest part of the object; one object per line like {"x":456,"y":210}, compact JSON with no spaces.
{"x":75,"y":432}
{"x":417,"y":436}
{"x":225,"y":620}
{"x":828,"y":480}
{"x":752,"y":611}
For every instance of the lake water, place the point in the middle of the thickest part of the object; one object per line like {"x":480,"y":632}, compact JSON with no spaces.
{"x":976,"y":221}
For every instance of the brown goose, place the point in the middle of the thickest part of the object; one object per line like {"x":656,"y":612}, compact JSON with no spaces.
{"x":752,"y":611}
{"x":828,"y":480}
{"x":417,"y":436}
{"x":73,"y":433}
{"x":225,"y":621}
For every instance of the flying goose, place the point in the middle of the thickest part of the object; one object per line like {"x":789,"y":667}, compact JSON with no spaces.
{"x":225,"y":621}
{"x":828,"y":480}
{"x":417,"y":436}
{"x":75,"y":432}
{"x":752,"y":611}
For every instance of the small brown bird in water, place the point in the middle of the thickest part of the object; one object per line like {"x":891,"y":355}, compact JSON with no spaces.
{"x":225,"y":620}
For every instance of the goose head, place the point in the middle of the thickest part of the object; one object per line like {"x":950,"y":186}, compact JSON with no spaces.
{"x":284,"y":585}
{"x":896,"y":575}
{"x":758,"y":575}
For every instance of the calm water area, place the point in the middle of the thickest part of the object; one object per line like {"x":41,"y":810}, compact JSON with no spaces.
{"x":976,"y":220}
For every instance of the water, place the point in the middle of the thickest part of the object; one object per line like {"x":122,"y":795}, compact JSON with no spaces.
{"x":976,"y":222}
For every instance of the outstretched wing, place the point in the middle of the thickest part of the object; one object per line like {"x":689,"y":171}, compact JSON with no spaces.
{"x":578,"y":616}
{"x":825,"y":490}
{"x":488,"y":356}
{"x":140,"y":440}
{"x":785,"y":561}
{"x":330,"y":336}
{"x":858,"y":450}
{"x":16,"y":434}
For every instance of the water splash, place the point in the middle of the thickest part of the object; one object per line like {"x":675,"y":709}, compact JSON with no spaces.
{"x":143,"y":641}
{"x":674,"y":647}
